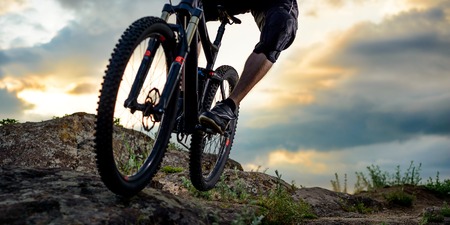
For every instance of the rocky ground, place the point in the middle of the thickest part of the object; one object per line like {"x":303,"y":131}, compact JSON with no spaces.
{"x":48,"y":176}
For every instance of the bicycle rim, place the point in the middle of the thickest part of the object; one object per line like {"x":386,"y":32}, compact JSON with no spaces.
{"x":130,"y":145}
{"x":209,"y":152}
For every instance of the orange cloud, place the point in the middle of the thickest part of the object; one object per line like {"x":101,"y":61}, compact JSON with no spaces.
{"x":20,"y":84}
{"x":11,"y":5}
{"x":305,"y":73}
{"x":425,"y":4}
{"x":305,"y":160}
{"x":84,"y":88}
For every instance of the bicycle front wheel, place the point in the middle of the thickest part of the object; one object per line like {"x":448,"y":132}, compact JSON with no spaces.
{"x":209,"y":152}
{"x":130,"y":142}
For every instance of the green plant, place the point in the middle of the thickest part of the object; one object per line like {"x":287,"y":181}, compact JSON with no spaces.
{"x":278,"y":207}
{"x":359,"y":207}
{"x":235,"y":193}
{"x":362,"y":183}
{"x":117,"y":122}
{"x":224,"y":191}
{"x":258,"y":168}
{"x":438,"y":186}
{"x":436,"y":215}
{"x":194,"y":192}
{"x":171,"y":169}
{"x":412,"y":175}
{"x":379,"y":179}
{"x":129,"y":160}
{"x":336,"y":184}
{"x":281,"y":208}
{"x":432,"y":217}
{"x":248,"y":217}
{"x":445,"y":211}
{"x":8,"y":121}
{"x":59,"y":117}
{"x":176,"y":146}
{"x":400,"y":198}
{"x":435,"y":218}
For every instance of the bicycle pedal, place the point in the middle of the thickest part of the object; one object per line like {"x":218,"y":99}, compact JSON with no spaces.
{"x":205,"y":129}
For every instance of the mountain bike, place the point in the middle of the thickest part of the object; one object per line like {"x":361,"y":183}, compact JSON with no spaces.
{"x":153,"y":88}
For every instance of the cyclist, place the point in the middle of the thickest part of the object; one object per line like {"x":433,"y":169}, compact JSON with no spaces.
{"x":277,"y":21}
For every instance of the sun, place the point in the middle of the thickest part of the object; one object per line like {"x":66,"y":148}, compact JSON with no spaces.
{"x":57,"y":102}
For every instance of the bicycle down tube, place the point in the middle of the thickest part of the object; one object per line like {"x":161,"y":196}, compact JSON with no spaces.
{"x":186,"y":62}
{"x":176,"y":69}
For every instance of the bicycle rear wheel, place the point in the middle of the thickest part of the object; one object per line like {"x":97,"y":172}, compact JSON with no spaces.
{"x":130,"y":144}
{"x":209,"y":152}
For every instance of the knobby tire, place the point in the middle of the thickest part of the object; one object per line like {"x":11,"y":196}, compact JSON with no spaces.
{"x":127,"y":155}
{"x":209,"y":153}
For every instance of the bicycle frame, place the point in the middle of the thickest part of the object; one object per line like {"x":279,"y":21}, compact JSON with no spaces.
{"x":190,"y":26}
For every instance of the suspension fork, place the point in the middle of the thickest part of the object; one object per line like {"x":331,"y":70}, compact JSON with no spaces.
{"x":177,"y":68}
{"x":131,"y":101}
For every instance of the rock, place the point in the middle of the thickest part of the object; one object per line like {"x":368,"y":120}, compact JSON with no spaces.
{"x":48,"y":176}
{"x":59,"y":143}
{"x":326,"y":203}
{"x":62,"y":196}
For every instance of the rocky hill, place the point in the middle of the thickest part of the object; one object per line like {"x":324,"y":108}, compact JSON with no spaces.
{"x":48,"y":176}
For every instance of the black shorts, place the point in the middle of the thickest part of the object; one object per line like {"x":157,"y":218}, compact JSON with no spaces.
{"x":278,"y":25}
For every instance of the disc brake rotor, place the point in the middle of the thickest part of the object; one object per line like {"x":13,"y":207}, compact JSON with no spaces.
{"x":149,"y":118}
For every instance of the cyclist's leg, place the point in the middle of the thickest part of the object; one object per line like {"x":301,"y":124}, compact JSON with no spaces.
{"x":256,"y":67}
{"x":278,"y":28}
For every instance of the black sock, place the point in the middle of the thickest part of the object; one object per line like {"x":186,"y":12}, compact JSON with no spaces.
{"x":230,"y":103}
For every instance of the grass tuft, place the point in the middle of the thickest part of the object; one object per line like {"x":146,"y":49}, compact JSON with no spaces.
{"x":400,"y":198}
{"x":8,"y":121}
{"x":171,"y":169}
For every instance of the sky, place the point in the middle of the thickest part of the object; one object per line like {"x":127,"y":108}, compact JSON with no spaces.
{"x":364,"y":83}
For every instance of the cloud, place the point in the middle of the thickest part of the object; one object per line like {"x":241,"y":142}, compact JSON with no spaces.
{"x":11,"y":5}
{"x":308,"y":161}
{"x":74,"y":58}
{"x":309,"y":167}
{"x":14,"y":107}
{"x":385,"y":103}
{"x":18,"y":85}
{"x":83,"y":45}
{"x":426,"y":4}
{"x":11,"y":104}
{"x":336,"y":3}
{"x":317,"y":9}
{"x":84,"y":88}
{"x":387,"y":82}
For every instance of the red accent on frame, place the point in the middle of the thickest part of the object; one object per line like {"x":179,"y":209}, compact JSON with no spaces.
{"x":228,"y":142}
{"x":147,"y":53}
{"x":162,"y":38}
{"x":179,"y":59}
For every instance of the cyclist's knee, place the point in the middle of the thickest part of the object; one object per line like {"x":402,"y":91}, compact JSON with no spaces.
{"x":278,"y":31}
{"x":271,"y":55}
